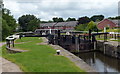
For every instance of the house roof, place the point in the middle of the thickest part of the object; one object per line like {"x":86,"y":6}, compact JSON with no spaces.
{"x":117,"y":22}
{"x":70,"y":23}
{"x":47,"y":24}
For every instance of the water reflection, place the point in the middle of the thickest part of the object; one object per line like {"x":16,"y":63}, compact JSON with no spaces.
{"x":101,"y":62}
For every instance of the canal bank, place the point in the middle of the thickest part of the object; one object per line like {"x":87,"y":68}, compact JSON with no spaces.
{"x":39,"y":58}
{"x":78,"y":61}
{"x":101,"y":64}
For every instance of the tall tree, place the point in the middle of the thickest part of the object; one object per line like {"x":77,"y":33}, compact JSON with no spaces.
{"x":5,"y":29}
{"x":91,"y":25}
{"x":71,"y":19}
{"x":56,"y":19}
{"x":28,"y":22}
{"x":11,"y":22}
{"x":8,"y":23}
{"x":83,"y":20}
{"x":97,"y":17}
{"x":60,"y":20}
{"x":114,"y":18}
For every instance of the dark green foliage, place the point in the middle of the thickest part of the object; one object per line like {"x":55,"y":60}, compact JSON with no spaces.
{"x":71,"y":19}
{"x":33,"y":24}
{"x":83,"y":20}
{"x":11,"y":22}
{"x":91,"y":25}
{"x":5,"y":29}
{"x":28,"y":22}
{"x":97,"y":17}
{"x":81,"y":27}
{"x":56,"y":19}
{"x":85,"y":27}
{"x":50,"y":21}
{"x":117,"y":17}
{"x":8,"y":23}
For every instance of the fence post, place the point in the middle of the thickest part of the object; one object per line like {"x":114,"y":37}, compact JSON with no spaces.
{"x":9,"y":43}
{"x":115,"y":36}
{"x":58,"y":37}
{"x":105,"y":37}
{"x":13,"y":42}
{"x":90,"y":34}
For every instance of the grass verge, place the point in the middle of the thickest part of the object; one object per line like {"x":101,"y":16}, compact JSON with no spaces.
{"x":39,"y":58}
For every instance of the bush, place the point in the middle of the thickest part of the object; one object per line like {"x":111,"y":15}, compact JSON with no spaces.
{"x":81,"y":27}
{"x":85,"y":27}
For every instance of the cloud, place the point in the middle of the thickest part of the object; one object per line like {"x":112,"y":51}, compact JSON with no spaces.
{"x":46,"y":9}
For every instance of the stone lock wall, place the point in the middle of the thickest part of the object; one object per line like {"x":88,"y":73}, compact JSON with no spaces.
{"x":109,"y":48}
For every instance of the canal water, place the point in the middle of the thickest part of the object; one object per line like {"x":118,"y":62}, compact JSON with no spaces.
{"x":101,"y":62}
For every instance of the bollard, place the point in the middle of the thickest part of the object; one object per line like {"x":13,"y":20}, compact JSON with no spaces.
{"x":58,"y":52}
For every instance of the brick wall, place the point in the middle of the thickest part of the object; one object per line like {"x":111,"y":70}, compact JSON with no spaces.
{"x":106,"y":23}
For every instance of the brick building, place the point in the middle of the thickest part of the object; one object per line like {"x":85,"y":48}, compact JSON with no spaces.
{"x":108,"y":23}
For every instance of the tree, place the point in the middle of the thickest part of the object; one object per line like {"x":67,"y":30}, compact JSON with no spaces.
{"x":50,"y":21}
{"x":83,"y":20}
{"x":56,"y":19}
{"x":116,"y":18}
{"x":71,"y":19}
{"x":81,"y":27}
{"x":91,"y":25}
{"x":60,"y":20}
{"x":5,"y":29}
{"x":11,"y":22}
{"x":8,"y":23}
{"x":28,"y":22}
{"x":31,"y":26}
{"x":6,"y":11}
{"x":97,"y":17}
{"x":85,"y":27}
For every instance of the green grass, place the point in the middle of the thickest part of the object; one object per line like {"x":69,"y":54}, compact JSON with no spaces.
{"x":39,"y":58}
{"x":2,"y":40}
{"x":116,"y":40}
{"x":113,"y":30}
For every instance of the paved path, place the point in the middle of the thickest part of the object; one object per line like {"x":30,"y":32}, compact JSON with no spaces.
{"x":7,"y":66}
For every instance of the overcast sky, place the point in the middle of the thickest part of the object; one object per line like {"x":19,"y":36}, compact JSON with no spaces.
{"x":47,"y":9}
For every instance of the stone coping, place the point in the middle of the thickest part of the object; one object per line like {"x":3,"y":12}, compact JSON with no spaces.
{"x":114,"y":43}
